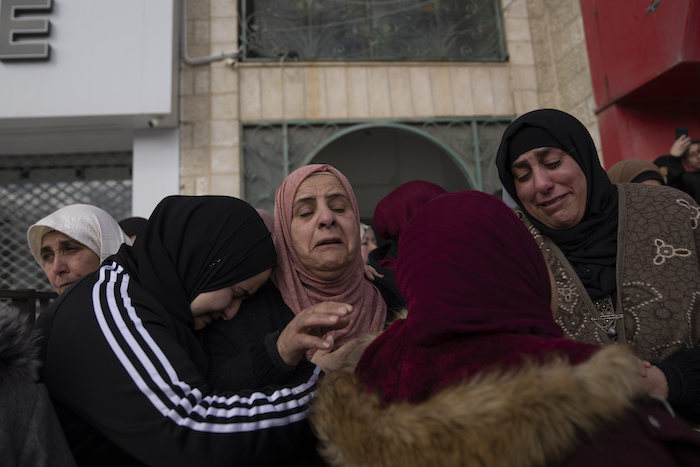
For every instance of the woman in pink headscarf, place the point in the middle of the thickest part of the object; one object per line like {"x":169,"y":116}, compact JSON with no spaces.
{"x":319,"y":266}
{"x":479,"y":373}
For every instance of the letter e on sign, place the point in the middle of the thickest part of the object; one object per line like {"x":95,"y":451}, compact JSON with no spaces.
{"x":18,"y":27}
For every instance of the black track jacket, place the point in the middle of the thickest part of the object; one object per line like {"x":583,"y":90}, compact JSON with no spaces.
{"x":128,"y":382}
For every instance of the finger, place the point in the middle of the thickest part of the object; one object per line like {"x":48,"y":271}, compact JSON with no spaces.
{"x":336,"y":308}
{"x":307,"y":341}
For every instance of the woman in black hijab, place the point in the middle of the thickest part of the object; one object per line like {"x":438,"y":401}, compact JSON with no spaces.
{"x":126,"y":369}
{"x":617,"y":252}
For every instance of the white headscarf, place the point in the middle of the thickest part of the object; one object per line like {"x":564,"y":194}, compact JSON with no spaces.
{"x":87,"y":224}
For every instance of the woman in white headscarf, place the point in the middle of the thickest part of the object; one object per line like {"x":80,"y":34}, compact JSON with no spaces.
{"x":74,"y":241}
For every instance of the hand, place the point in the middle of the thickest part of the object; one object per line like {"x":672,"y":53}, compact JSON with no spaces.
{"x":680,"y":146}
{"x":371,"y":273}
{"x":642,"y":367}
{"x":337,"y":359}
{"x":305,"y":331}
{"x":655,"y":383}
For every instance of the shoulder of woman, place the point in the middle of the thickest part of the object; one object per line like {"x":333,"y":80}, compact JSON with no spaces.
{"x":556,"y":400}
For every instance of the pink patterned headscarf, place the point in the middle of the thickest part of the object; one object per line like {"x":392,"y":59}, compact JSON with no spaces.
{"x":301,"y":289}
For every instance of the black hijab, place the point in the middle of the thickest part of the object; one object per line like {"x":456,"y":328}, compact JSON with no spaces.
{"x":195,"y":244}
{"x":591,"y":245}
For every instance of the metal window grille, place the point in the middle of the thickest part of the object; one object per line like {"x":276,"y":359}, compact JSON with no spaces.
{"x":31,"y":187}
{"x":272,"y":150}
{"x":362,"y":30}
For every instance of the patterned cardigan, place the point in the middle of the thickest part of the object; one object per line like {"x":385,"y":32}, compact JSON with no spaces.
{"x":658,"y":275}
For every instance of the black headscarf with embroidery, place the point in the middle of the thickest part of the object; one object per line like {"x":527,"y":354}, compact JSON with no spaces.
{"x":195,"y":244}
{"x":591,"y":245}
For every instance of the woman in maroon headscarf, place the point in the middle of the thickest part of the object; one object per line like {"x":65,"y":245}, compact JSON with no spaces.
{"x":390,"y":218}
{"x":479,"y":373}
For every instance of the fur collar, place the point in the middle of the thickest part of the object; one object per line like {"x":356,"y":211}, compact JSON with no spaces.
{"x":18,"y":349}
{"x":533,"y":416}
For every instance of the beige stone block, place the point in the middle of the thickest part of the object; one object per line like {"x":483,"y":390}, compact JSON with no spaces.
{"x":482,"y":91}
{"x":194,"y":108}
{"x":462,"y":98}
{"x":201,"y":32}
{"x":223,"y":30}
{"x":441,"y":91}
{"x":201,"y":134}
{"x":226,"y":184}
{"x":250,"y":94}
{"x":561,"y":44}
{"x":194,"y":162}
{"x":537,"y":9}
{"x":271,"y":84}
{"x":549,"y":99}
{"x":523,"y":77}
{"x":187,"y":186}
{"x":197,"y":9}
{"x":186,"y":135}
{"x":420,"y":91}
{"x":201,"y":186}
{"x":576,"y":90}
{"x":501,"y":87}
{"x":400,"y":92}
{"x":577,"y":31}
{"x":315,"y":93}
{"x":224,"y":106}
{"x":516,"y":9}
{"x":223,"y":78}
{"x":517,"y":29}
{"x":223,"y":8}
{"x":379,"y":100}
{"x":546,"y":76}
{"x":521,"y":53}
{"x":223,"y":160}
{"x":294,"y":93}
{"x":358,"y":92}
{"x":336,"y":92}
{"x":201,"y":80}
{"x":525,"y":101}
{"x":197,"y":50}
{"x":186,"y":80}
{"x":223,"y":132}
{"x":562,"y":14}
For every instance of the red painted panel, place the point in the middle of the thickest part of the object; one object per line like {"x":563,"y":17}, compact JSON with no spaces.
{"x":644,"y":131}
{"x":630,"y":44}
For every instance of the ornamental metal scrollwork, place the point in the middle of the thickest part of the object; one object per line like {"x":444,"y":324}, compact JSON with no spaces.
{"x":386,"y":30}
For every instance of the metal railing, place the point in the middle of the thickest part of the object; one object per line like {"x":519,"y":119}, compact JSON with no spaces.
{"x":29,"y":302}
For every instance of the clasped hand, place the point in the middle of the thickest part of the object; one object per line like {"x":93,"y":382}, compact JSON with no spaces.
{"x":307,"y":329}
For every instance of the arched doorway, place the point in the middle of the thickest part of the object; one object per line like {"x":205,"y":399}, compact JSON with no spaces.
{"x":377,"y":160}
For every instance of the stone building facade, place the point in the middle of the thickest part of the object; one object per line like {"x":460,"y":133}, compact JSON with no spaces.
{"x":547,"y":67}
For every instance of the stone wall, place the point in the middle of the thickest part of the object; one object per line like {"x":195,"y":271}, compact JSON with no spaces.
{"x":561,"y":60}
{"x":547,"y":66}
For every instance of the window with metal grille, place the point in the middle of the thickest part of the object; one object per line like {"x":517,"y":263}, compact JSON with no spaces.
{"x":31,"y":187}
{"x":362,"y":30}
{"x":272,"y":150}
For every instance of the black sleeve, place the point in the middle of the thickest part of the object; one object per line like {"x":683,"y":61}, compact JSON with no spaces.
{"x":682,"y":371}
{"x":243,"y":351}
{"x":127,"y":369}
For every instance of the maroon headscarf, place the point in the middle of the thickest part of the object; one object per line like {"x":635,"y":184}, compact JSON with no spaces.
{"x":478,"y":295}
{"x":395,"y":210}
